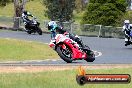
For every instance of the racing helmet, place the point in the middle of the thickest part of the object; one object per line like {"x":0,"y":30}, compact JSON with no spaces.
{"x":127,"y":21}
{"x":25,"y":12}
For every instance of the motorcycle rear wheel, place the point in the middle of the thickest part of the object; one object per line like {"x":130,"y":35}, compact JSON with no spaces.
{"x":90,"y":56}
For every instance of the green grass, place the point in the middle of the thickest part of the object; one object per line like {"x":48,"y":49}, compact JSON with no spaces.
{"x":57,"y":79}
{"x":18,"y":50}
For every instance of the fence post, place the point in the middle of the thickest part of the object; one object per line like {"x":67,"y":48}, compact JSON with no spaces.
{"x":100,"y":27}
{"x":72,"y":23}
{"x":80,"y":28}
{"x":16,"y":23}
{"x":71,"y":28}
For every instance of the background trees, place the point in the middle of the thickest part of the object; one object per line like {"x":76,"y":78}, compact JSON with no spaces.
{"x":104,"y":12}
{"x":61,"y":10}
{"x":81,"y":5}
{"x":4,"y":2}
{"x":19,"y":6}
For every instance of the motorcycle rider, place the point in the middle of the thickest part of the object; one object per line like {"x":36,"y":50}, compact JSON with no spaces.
{"x":127,"y":29}
{"x":26,"y":20}
{"x":53,"y":27}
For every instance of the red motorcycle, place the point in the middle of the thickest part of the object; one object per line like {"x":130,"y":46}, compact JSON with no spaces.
{"x":69,"y":50}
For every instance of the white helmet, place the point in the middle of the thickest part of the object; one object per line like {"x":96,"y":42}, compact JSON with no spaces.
{"x":127,"y":21}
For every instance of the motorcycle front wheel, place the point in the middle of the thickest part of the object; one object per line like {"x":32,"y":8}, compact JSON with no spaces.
{"x":29,"y":32}
{"x":65,"y":54}
{"x":39,"y":31}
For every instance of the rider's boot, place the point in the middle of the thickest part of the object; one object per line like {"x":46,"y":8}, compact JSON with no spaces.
{"x":127,"y":43}
{"x":25,"y":29}
{"x":53,"y":41}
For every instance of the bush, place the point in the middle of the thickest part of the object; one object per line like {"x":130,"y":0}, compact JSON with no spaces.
{"x":104,"y":12}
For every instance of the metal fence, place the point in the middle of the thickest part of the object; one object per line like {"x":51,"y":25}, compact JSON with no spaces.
{"x":92,"y":30}
{"x":6,"y":21}
{"x":85,"y":30}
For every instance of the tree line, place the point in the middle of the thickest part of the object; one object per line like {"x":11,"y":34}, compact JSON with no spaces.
{"x":103,"y":12}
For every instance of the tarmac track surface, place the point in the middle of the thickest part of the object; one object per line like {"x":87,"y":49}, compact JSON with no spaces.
{"x":108,"y":50}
